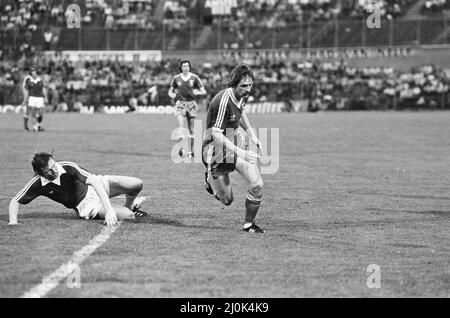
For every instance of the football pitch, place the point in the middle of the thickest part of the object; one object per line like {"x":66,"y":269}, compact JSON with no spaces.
{"x":360,"y":207}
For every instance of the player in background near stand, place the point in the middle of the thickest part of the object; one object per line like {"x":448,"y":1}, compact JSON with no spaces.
{"x":37,"y":99}
{"x":185,"y":87}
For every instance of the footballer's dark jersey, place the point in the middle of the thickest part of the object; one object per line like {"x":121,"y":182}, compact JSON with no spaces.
{"x":34,"y":87}
{"x":186,"y":87}
{"x":224,"y":114}
{"x":70,"y":192}
{"x":25,"y":81}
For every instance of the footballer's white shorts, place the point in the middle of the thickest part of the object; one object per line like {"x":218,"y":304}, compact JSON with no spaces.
{"x":37,"y":102}
{"x":184,"y":107}
{"x":89,"y":207}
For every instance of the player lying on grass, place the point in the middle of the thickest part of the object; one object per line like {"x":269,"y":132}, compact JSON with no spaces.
{"x":88,"y":194}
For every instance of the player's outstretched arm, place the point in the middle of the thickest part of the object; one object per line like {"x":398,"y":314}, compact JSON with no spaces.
{"x":13,"y":211}
{"x":110,"y":215}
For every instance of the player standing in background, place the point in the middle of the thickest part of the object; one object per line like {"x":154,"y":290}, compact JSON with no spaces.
{"x":224,"y":148}
{"x":26,"y":109}
{"x":36,"y":99}
{"x":185,"y":87}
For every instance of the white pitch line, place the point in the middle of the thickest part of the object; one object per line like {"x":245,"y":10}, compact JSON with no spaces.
{"x":51,"y":281}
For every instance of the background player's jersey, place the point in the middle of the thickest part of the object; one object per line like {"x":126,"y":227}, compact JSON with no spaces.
{"x":35,"y":87}
{"x":70,"y":192}
{"x":185,"y":87}
{"x":224,"y":113}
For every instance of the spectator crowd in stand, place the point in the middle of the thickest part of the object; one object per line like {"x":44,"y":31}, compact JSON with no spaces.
{"x":25,"y":20}
{"x":32,"y":14}
{"x":436,"y":6}
{"x":53,"y":13}
{"x":111,"y":82}
{"x":107,"y":82}
{"x":30,"y":25}
{"x":280,"y":13}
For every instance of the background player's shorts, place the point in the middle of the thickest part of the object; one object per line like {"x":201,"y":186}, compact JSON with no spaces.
{"x":88,"y":208}
{"x":216,"y":161}
{"x":37,"y":102}
{"x":185,"y":107}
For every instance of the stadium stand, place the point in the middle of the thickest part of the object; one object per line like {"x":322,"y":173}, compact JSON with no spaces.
{"x":435,"y":6}
{"x":100,"y":83}
{"x":29,"y":27}
{"x":182,"y":24}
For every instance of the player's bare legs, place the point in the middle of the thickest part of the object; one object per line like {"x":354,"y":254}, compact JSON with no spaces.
{"x":250,"y":172}
{"x":190,"y":124}
{"x":129,"y":186}
{"x":39,"y":118}
{"x":224,"y":191}
{"x":181,"y":114}
{"x":26,"y":113}
{"x":183,"y":132}
{"x":32,"y":113}
{"x":26,"y":117}
{"x":123,"y":213}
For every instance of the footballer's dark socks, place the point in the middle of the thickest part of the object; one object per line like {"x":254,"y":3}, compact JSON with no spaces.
{"x":252,"y":204}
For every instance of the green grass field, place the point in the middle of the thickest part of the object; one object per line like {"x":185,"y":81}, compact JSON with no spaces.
{"x":353,"y":189}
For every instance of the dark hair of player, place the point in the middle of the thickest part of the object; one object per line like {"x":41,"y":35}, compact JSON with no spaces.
{"x":181,"y":64}
{"x":40,"y":161}
{"x":238,"y":73}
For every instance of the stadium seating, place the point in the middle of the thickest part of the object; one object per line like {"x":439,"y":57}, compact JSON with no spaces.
{"x":435,"y":6}
{"x":27,"y":27}
{"x":182,"y":24}
{"x":114,"y":83}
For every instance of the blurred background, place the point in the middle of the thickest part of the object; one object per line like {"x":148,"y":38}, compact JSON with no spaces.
{"x":310,"y":55}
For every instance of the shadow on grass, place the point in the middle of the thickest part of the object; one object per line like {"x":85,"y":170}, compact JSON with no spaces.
{"x":408,"y":245}
{"x":442,"y":214}
{"x":154,"y":219}
{"x":116,"y":152}
{"x":342,"y":224}
{"x":403,"y":196}
{"x":370,"y":223}
{"x":39,"y":215}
